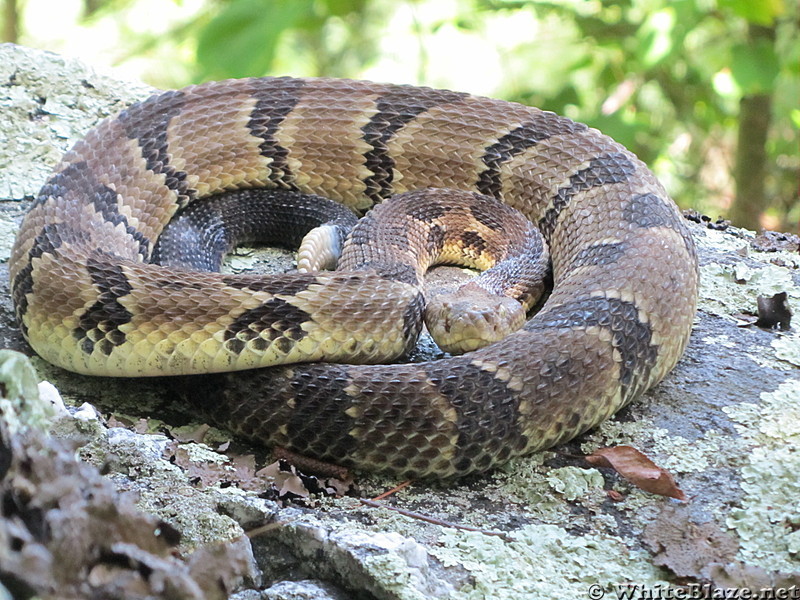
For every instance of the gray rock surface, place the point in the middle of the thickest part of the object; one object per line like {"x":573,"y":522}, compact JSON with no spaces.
{"x":725,"y":423}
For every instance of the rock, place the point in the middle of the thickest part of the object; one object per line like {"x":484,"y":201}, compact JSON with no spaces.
{"x":295,"y":590}
{"x":724,"y":423}
{"x":67,"y":533}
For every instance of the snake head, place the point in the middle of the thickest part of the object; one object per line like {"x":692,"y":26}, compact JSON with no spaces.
{"x":471,"y":318}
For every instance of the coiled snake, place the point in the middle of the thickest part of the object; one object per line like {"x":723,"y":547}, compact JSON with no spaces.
{"x":618,"y":319}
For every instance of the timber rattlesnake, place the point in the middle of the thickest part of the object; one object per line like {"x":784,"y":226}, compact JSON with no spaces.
{"x":619,"y":317}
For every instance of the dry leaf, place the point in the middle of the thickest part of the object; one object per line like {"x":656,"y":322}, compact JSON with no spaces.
{"x":290,"y":484}
{"x":190,"y":434}
{"x":217,"y":567}
{"x":638,"y":469}
{"x":238,"y":469}
{"x":741,"y":576}
{"x":686,"y":548}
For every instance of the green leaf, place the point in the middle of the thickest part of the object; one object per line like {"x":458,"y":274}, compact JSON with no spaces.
{"x":340,"y":8}
{"x":655,"y":37}
{"x":760,"y":12}
{"x":241,"y":40}
{"x":754,"y":66}
{"x":624,"y":130}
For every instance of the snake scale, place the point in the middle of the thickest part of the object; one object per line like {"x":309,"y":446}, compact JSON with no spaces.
{"x":619,"y":317}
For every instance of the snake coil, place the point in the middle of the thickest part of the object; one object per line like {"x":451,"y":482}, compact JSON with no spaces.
{"x":618,"y":319}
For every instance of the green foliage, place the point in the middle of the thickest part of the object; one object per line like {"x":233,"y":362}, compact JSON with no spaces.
{"x":665,"y":77}
{"x":755,"y":66}
{"x":245,"y":36}
{"x":241,"y":40}
{"x":758,"y":12}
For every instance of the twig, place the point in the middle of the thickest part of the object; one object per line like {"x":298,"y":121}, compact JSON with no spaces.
{"x":415,"y":515}
{"x":262,"y":529}
{"x":394,"y":490}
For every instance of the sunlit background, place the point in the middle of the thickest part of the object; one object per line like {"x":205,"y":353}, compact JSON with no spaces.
{"x":705,"y":91}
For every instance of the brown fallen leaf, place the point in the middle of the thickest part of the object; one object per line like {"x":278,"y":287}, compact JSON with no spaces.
{"x":233,"y":470}
{"x":685,"y":547}
{"x":739,"y":575}
{"x":705,"y":553}
{"x":638,"y":469}
{"x":190,"y":434}
{"x":290,"y":484}
{"x":138,"y":425}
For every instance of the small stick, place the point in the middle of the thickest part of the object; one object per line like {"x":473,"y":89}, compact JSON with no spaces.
{"x":262,"y":529}
{"x":415,"y":515}
{"x":394,"y":490}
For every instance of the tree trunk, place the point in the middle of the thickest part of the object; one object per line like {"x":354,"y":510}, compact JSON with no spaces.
{"x":751,"y":161}
{"x":755,"y":113}
{"x":11,"y":21}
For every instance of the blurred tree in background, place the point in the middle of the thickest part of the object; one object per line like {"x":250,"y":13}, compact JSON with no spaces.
{"x":707,"y":92}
